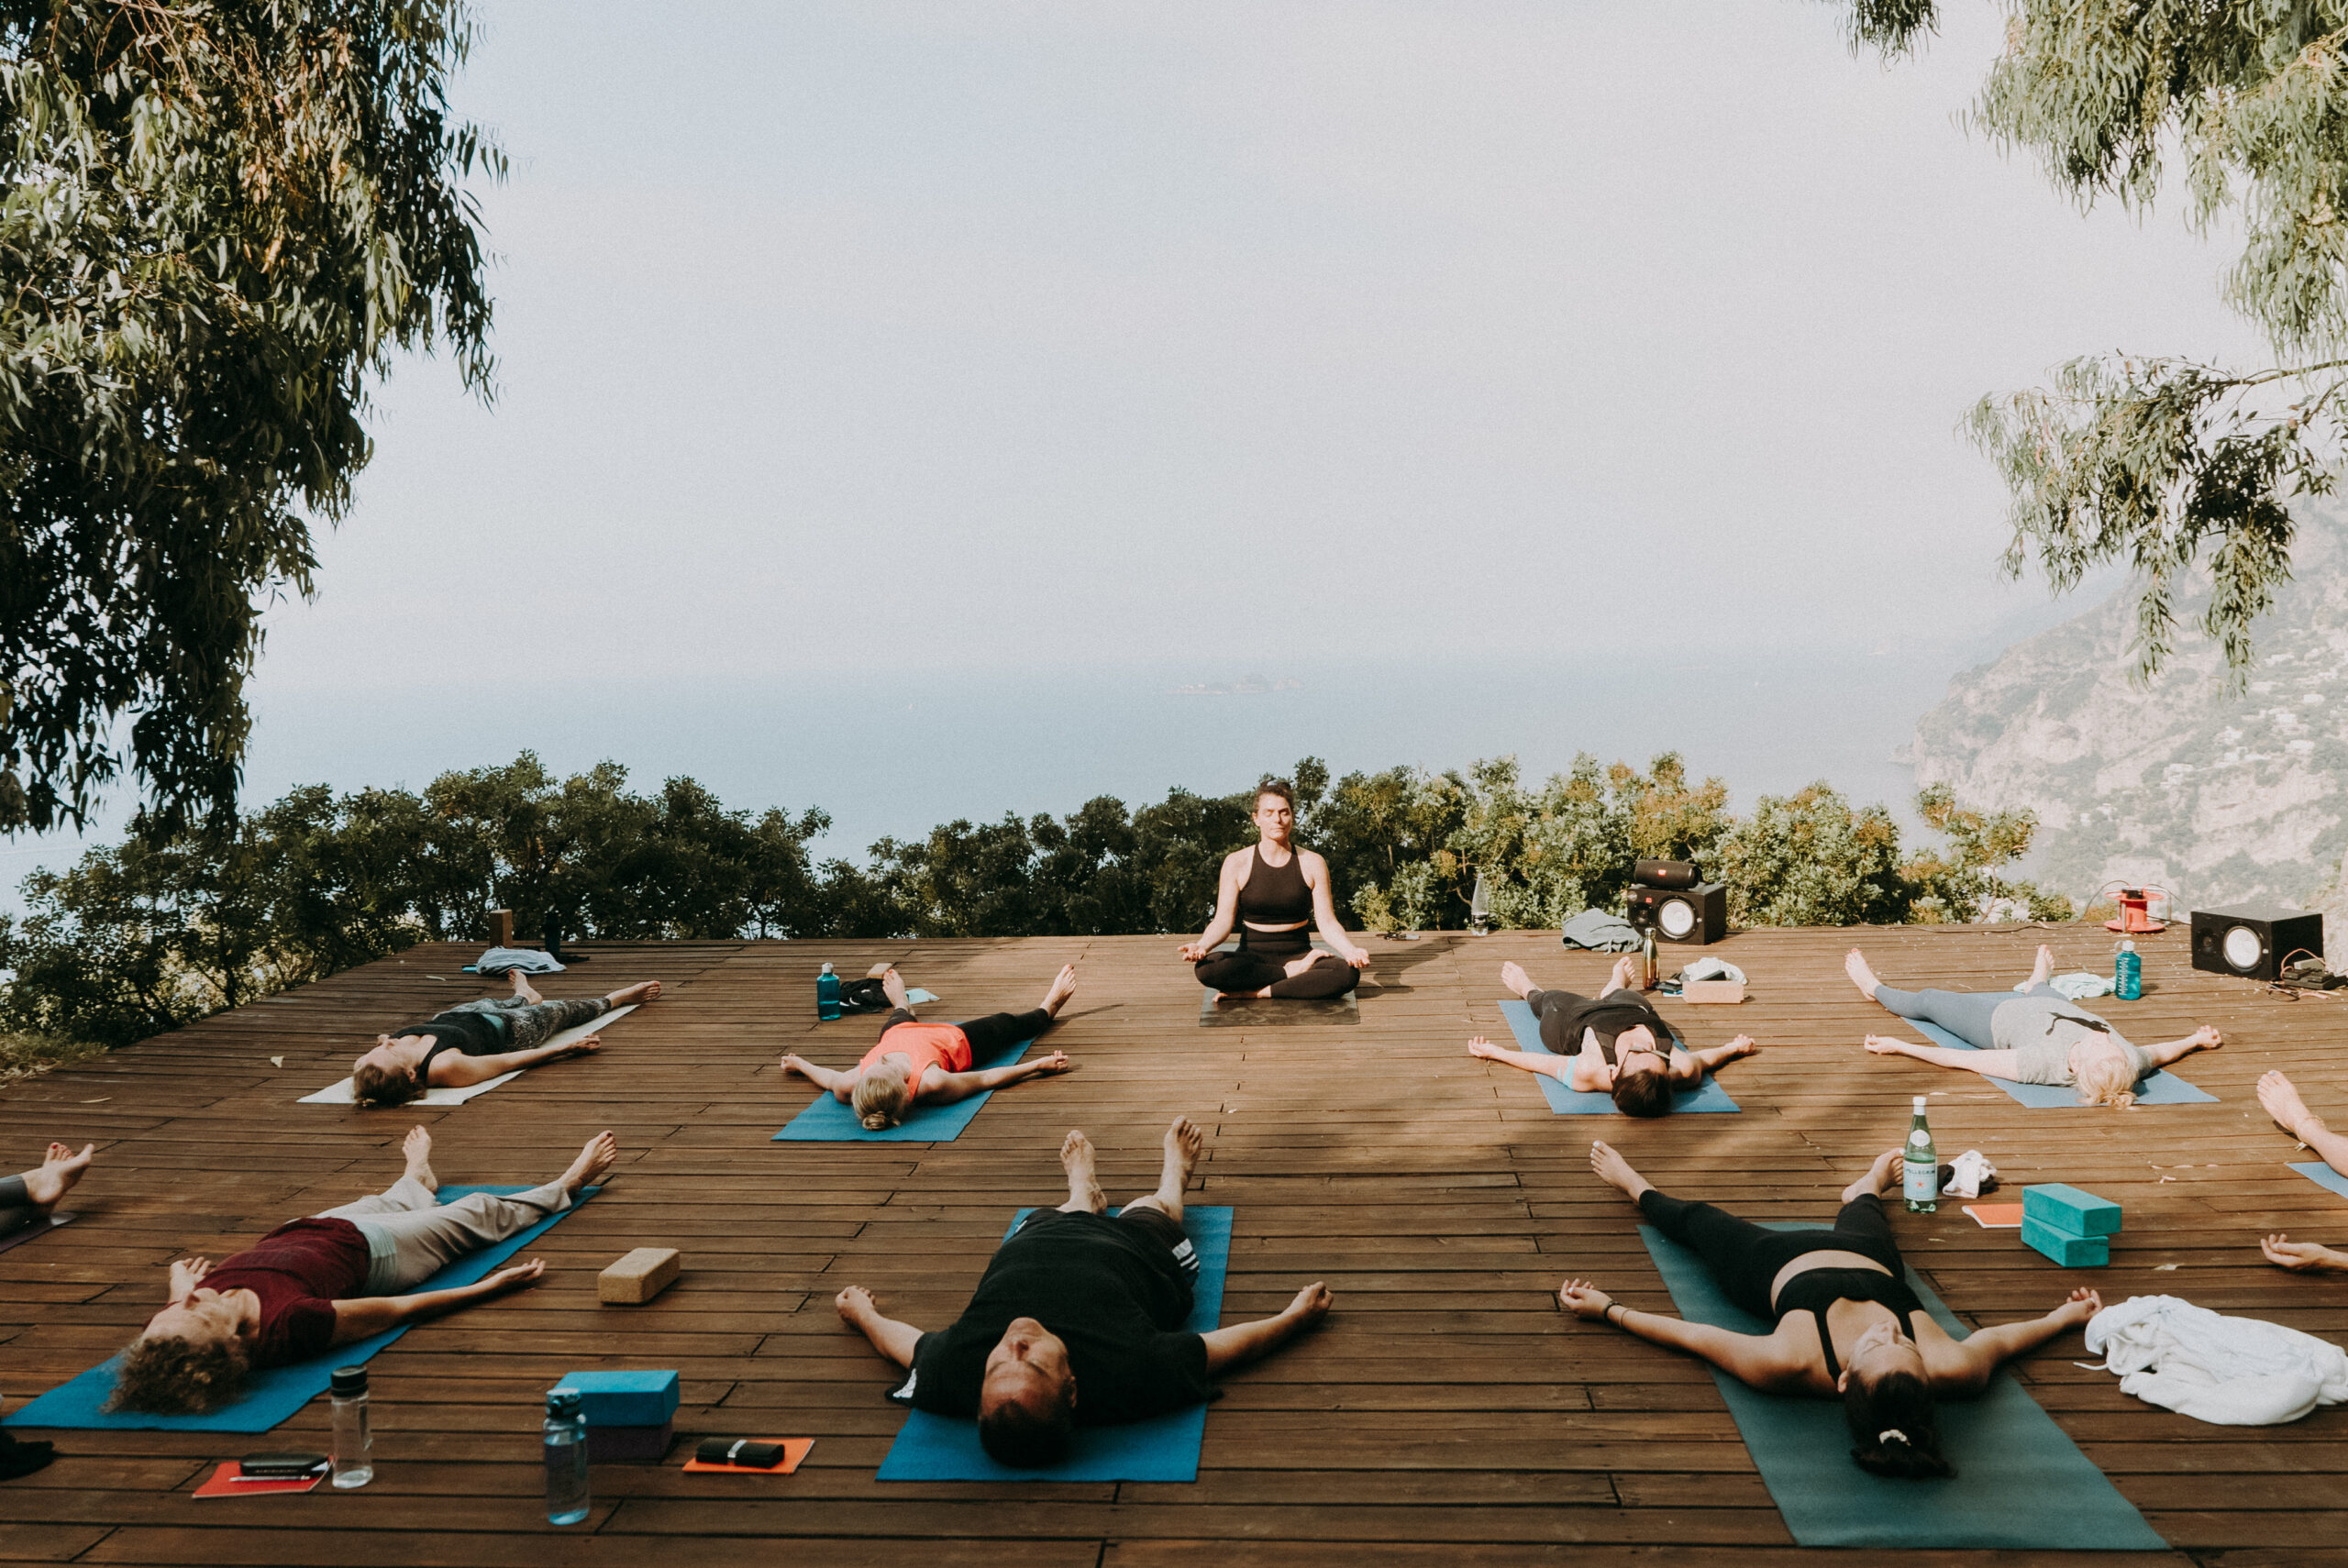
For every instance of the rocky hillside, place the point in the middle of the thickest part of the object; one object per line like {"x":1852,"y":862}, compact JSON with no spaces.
{"x":2222,"y":799}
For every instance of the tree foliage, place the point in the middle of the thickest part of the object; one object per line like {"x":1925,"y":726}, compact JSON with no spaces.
{"x":2165,"y":465}
{"x":223,"y":218}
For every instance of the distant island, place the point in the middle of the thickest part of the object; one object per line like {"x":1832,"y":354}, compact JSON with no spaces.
{"x":1252,"y":686}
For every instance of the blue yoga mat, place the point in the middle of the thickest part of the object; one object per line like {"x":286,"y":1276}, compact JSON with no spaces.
{"x":2158,"y":1088}
{"x":1706,"y":1096}
{"x":275,"y":1392}
{"x":1165,"y":1447}
{"x":2021,"y":1482}
{"x":831,"y":1120}
{"x":2322,"y":1175}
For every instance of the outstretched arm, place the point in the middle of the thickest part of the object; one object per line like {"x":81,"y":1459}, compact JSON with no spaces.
{"x":1246,"y":1342}
{"x":890,"y":1338}
{"x":1755,"y":1360}
{"x":1540,"y":1062}
{"x":1988,"y":1064}
{"x":838,"y":1085}
{"x":1988,"y":1349}
{"x":2202,"y":1039}
{"x":1690,"y":1066}
{"x":452,"y":1070}
{"x":1325,"y":912}
{"x":1226,"y":913}
{"x":946,"y":1088}
{"x":367,"y":1316}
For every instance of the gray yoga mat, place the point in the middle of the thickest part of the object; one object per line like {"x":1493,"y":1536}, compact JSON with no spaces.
{"x":2021,"y":1482}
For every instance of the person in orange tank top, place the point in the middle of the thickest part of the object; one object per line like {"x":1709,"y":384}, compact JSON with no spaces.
{"x":929,"y":1063}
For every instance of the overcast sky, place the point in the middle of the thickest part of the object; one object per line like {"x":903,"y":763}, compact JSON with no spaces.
{"x":1023,"y":335}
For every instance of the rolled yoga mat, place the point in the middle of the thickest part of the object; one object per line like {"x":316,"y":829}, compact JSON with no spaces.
{"x":831,"y":1120}
{"x":1706,"y":1096}
{"x":2021,"y":1482}
{"x":273,"y":1394}
{"x":343,"y":1093}
{"x":1165,"y":1447}
{"x":2158,"y":1089}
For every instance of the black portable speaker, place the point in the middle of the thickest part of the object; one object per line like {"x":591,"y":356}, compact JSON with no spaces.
{"x":2253,"y":941}
{"x":1665,"y":874}
{"x":1696,"y":915}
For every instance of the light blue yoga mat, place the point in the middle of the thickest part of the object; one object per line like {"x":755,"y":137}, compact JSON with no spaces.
{"x":1165,"y":1447}
{"x":274,"y":1392}
{"x":2322,"y":1175}
{"x":2158,"y":1088}
{"x":2021,"y":1482}
{"x":831,"y":1120}
{"x":1706,"y":1096}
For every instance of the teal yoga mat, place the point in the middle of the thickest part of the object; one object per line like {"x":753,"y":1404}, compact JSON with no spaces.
{"x":2019,"y":1482}
{"x":2323,"y":1175}
{"x":1164,"y":1448}
{"x":1706,"y":1096}
{"x":2159,"y":1089}
{"x":830,"y":1119}
{"x":275,"y":1394}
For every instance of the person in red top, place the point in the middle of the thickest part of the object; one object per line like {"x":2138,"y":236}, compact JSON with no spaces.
{"x":915,"y":1062}
{"x":314,"y":1284}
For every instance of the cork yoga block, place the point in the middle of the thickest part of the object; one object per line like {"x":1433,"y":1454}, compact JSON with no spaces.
{"x":639,"y":1277}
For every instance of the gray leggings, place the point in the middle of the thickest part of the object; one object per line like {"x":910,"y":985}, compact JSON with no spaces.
{"x":1967,"y":1015}
{"x":529,"y":1024}
{"x":18,"y":1210}
{"x":412,"y":1235}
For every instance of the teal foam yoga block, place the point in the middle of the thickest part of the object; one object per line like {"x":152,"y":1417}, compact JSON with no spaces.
{"x":2068,"y":1208}
{"x":624,"y":1399}
{"x":2070,"y":1250}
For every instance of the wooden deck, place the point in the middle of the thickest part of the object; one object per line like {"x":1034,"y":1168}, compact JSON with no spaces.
{"x":1446,"y":1413}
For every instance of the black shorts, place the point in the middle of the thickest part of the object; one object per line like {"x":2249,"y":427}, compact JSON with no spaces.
{"x":1151,"y":1222}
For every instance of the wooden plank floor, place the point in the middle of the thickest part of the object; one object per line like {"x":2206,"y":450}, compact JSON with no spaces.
{"x":1446,"y":1413}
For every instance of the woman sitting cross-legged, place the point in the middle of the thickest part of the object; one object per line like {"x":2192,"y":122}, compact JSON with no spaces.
{"x":477,"y":1040}
{"x":2038,"y":1036}
{"x":1614,"y":1043}
{"x":316,"y":1284}
{"x":1847,"y":1322}
{"x":1274,"y":895}
{"x":929,"y":1063}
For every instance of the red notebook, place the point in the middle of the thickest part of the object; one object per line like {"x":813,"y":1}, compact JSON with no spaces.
{"x":1995,"y":1216}
{"x":227,"y":1482}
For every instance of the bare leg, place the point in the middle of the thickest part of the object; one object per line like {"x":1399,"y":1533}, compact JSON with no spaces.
{"x":1063,"y":986}
{"x":1183,"y":1141}
{"x":892,"y":986}
{"x":1881,"y":1177}
{"x":2043,"y":969}
{"x":629,"y":996}
{"x":1854,"y":964}
{"x":1615,"y":1171}
{"x":1625,"y":972}
{"x":523,"y":990}
{"x":418,"y":1151}
{"x":1084,"y":1194}
{"x":50,"y":1181}
{"x":1531,"y":1061}
{"x":1519,"y":983}
{"x":596,"y":1159}
{"x":2281,"y":1102}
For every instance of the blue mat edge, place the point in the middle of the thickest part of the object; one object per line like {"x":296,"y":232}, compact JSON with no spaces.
{"x":2055,"y":1097}
{"x":918,"y":1127}
{"x":1566,"y":1102}
{"x":2322,"y":1175}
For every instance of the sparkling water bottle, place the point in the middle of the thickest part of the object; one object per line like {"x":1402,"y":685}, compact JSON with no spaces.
{"x":354,"y":1439}
{"x":827,"y":994}
{"x":2128,"y":973}
{"x":566,"y":1432}
{"x":1920,"y":1172}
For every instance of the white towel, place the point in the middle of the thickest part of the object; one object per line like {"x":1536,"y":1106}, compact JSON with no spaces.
{"x":2231,"y":1372}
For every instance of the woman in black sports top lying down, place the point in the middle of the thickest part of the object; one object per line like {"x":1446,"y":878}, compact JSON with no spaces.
{"x":1847,"y":1322}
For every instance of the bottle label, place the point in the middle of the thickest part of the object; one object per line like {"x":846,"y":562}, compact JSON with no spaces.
{"x":1921,"y":1181}
{"x":1920,"y":1139}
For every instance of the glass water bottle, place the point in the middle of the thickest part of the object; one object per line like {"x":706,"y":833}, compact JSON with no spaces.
{"x":566,"y":1434}
{"x":354,"y":1439}
{"x":1920,"y":1170}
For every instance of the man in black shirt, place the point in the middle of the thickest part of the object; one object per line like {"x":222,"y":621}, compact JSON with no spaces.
{"x":1077,"y":1318}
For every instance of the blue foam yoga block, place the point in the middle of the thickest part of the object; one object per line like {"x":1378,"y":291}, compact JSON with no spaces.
{"x":624,"y":1399}
{"x":2067,"y":1248}
{"x":2068,"y":1208}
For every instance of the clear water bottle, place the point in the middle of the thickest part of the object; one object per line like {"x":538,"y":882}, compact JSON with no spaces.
{"x":354,"y":1439}
{"x":827,"y":994}
{"x":566,"y":1432}
{"x":1920,"y":1168}
{"x":2128,"y":973}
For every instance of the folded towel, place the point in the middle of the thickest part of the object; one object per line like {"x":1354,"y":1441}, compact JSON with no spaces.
{"x":1600,"y":932}
{"x":2077,"y":986}
{"x":505,"y":960}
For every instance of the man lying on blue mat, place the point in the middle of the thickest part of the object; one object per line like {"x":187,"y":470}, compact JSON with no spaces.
{"x":1614,"y":1043}
{"x":315,"y":1284}
{"x":2035,"y":1036}
{"x":1077,"y":1319}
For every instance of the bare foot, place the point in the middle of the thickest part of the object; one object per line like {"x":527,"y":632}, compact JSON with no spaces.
{"x":418,"y":1151}
{"x":1083,"y":1182}
{"x":1183,"y":1141}
{"x":593,"y":1161}
{"x":54,"y":1177}
{"x":1854,"y":964}
{"x":1063,"y":988}
{"x":2282,"y":1101}
{"x":635,"y":995}
{"x":1518,"y":982}
{"x":1615,"y":1171}
{"x":1296,"y":967}
{"x":1881,"y":1177}
{"x":2044,"y":970}
{"x":1625,"y":974}
{"x":524,"y":989}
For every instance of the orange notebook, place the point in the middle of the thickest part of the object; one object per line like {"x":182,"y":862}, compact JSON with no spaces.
{"x":793,"y":1450}
{"x":1995,"y":1216}
{"x":226,"y":1483}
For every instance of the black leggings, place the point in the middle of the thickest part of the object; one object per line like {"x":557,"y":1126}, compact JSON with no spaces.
{"x":1747,"y":1258}
{"x":18,"y":1210}
{"x":988,"y":1034}
{"x":1262,"y":958}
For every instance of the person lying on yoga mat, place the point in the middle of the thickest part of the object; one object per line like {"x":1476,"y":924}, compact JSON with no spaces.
{"x":1847,"y":1322}
{"x":314,"y":1284}
{"x":1614,"y":1043}
{"x":1275,"y":894}
{"x":929,"y":1063}
{"x":477,"y":1040}
{"x":1078,"y":1319}
{"x":27,"y":1200}
{"x":2281,"y":1099}
{"x":2038,"y":1036}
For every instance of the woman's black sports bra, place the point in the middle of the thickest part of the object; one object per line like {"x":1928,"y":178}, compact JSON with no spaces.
{"x":1276,"y":895}
{"x":1814,"y":1290}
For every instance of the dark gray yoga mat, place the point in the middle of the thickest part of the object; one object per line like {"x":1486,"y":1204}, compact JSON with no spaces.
{"x":1218,"y":1011}
{"x":2021,"y":1482}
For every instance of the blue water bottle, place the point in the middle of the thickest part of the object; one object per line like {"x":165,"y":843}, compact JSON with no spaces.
{"x":827,"y":994}
{"x":2128,"y":974}
{"x":566,"y":1435}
